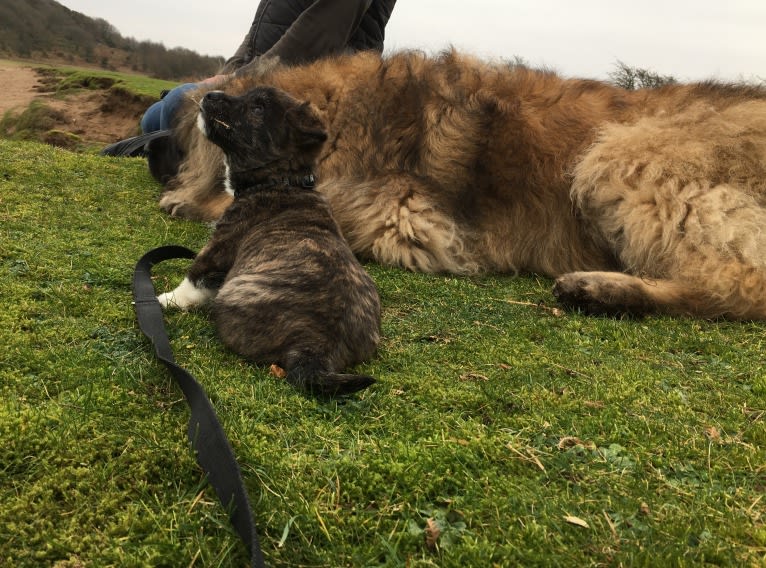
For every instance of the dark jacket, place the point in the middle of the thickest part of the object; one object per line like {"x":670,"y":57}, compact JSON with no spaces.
{"x":299,"y":31}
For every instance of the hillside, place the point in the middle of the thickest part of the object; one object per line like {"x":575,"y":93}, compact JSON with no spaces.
{"x":44,"y":30}
{"x":72,"y":107}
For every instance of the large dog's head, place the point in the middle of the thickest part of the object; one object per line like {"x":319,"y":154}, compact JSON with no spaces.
{"x":263,"y":133}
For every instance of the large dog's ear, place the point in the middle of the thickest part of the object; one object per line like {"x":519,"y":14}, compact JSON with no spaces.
{"x":308,"y":130}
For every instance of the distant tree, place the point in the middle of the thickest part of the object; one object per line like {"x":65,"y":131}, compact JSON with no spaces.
{"x":108,"y":33}
{"x":633,"y":78}
{"x":35,"y":28}
{"x":517,"y":61}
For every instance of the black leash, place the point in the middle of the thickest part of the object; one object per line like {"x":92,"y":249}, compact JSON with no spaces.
{"x":214,"y":452}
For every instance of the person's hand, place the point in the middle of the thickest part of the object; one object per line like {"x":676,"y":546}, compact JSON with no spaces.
{"x":215,"y":79}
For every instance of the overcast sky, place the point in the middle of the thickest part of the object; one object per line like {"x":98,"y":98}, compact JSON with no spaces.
{"x":689,"y":39}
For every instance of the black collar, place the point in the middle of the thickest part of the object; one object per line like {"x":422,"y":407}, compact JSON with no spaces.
{"x":307,"y":181}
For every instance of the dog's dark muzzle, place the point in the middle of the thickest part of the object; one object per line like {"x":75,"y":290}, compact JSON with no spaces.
{"x":216,"y":104}
{"x":216,"y":109}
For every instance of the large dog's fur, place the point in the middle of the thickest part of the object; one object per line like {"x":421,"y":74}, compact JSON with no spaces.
{"x":637,"y":202}
{"x":287,"y":288}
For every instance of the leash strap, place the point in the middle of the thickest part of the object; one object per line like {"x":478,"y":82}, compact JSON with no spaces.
{"x":214,"y":452}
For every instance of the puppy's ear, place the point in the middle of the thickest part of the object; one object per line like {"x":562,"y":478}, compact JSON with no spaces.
{"x":308,"y":130}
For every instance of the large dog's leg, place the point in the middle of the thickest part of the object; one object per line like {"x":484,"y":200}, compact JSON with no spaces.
{"x":617,"y":293}
{"x":393,"y":220}
{"x":696,"y":250}
{"x":197,"y":190}
{"x":681,"y":201}
{"x":182,"y":199}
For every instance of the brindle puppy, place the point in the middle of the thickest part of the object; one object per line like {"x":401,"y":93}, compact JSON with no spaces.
{"x":287,"y":288}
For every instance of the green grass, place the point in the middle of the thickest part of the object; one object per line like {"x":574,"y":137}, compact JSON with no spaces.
{"x":496,"y":430}
{"x":68,"y":78}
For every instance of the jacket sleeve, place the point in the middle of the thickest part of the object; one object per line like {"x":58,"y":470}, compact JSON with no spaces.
{"x":324,"y":27}
{"x":240,"y":56}
{"x":244,"y":53}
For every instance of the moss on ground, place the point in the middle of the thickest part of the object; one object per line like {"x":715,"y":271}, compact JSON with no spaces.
{"x":499,"y":433}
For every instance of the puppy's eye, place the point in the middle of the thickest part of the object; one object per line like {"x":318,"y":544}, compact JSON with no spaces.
{"x":257,"y":109}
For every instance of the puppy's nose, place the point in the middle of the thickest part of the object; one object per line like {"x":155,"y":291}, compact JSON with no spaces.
{"x":215,"y":95}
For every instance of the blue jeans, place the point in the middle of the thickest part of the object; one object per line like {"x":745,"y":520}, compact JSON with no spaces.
{"x":160,"y":114}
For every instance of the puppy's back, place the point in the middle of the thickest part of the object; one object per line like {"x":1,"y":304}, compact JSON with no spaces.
{"x":297,"y":296}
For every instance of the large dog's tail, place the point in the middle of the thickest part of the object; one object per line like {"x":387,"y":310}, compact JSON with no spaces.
{"x":311,"y":375}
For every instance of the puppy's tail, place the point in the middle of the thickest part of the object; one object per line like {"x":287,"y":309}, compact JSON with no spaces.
{"x":312,"y":377}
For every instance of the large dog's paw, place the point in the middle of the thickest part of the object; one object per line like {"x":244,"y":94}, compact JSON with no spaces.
{"x":603,"y":293}
{"x":175,"y":205}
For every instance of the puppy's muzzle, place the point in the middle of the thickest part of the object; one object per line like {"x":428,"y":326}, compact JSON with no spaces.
{"x":211,"y":111}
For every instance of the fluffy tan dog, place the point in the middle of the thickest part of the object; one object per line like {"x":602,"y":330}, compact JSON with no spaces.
{"x":635,"y":201}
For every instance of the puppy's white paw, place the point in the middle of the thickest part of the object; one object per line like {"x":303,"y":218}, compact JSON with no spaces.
{"x":166,"y":300}
{"x":185,"y":296}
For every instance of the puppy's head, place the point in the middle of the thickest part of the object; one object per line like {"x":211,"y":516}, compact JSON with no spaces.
{"x":263,"y":129}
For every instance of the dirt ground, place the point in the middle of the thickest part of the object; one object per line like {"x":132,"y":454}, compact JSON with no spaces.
{"x":19,"y":86}
{"x":96,"y":117}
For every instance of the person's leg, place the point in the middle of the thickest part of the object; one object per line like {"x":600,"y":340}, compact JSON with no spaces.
{"x":150,"y":122}
{"x":171,"y":102}
{"x":160,"y":114}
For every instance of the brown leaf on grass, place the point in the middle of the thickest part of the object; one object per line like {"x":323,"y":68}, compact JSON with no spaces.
{"x":713,"y":434}
{"x":644,"y":509}
{"x":577,"y":521}
{"x":433,"y":532}
{"x":557,"y":312}
{"x":277,"y":371}
{"x":568,"y":371}
{"x":571,"y":441}
{"x":473,"y":377}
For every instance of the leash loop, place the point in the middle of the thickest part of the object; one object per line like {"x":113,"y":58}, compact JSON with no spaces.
{"x":213,"y":450}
